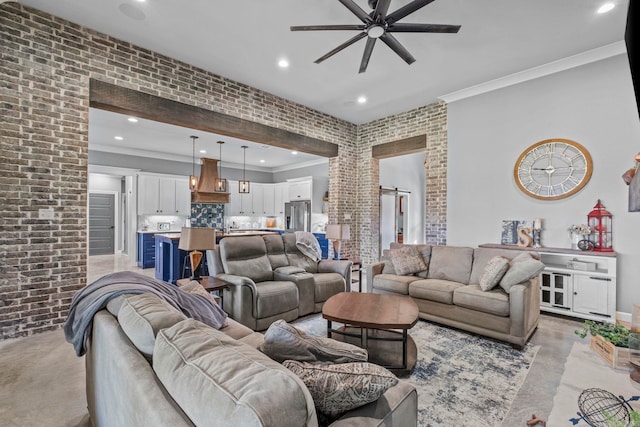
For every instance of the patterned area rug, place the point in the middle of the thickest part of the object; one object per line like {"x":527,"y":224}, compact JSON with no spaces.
{"x":462,"y":379}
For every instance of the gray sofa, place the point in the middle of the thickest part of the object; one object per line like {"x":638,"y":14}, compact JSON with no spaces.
{"x":148,"y":365}
{"x":448,"y":292}
{"x":271,"y":279}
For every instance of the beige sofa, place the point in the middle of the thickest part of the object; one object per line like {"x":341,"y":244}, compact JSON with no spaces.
{"x":270,"y":278}
{"x":448,"y":292}
{"x":147,"y":365}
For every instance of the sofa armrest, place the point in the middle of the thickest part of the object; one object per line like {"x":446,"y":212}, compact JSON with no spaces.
{"x":342,"y":267}
{"x":237,"y":280}
{"x":524,"y":307}
{"x":372,"y":271}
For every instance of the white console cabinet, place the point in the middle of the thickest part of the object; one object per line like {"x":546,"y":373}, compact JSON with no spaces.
{"x":576,"y":283}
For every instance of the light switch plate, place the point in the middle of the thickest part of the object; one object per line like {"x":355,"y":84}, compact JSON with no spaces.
{"x":347,"y":216}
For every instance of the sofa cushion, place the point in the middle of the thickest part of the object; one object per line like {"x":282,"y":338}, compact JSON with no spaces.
{"x":142,"y":316}
{"x":407,"y":260}
{"x":276,"y":297}
{"x":495,"y":301}
{"x":434,"y":290}
{"x":200,"y":367}
{"x":521,"y":268}
{"x":327,"y":285}
{"x":387,"y":268}
{"x":283,"y":341}
{"x":194,"y":287}
{"x":246,"y":256}
{"x":340,"y":388}
{"x":393,"y":283}
{"x":275,"y":250}
{"x":493,"y":272}
{"x":481,"y":256}
{"x":451,"y":263}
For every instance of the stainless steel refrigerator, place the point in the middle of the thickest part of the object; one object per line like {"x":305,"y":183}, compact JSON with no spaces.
{"x":297,"y":215}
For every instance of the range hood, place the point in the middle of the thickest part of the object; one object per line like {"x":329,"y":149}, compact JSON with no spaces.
{"x":205,"y":193}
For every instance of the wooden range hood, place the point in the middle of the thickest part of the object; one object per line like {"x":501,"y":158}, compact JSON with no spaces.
{"x":206,"y":184}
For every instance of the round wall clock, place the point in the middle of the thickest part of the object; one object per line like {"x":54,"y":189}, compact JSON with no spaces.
{"x":553,"y":169}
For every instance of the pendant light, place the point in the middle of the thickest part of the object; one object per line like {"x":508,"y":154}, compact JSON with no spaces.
{"x":220,"y":182}
{"x":243,"y":184}
{"x":193,"y":179}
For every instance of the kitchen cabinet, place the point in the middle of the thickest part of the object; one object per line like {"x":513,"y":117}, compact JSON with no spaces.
{"x":299,"y":190}
{"x":257,"y":199}
{"x":233,"y":207}
{"x":281,"y":196}
{"x":268,"y":200}
{"x":163,"y":195}
{"x":146,"y":250}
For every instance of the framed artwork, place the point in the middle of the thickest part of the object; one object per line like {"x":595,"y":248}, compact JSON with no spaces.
{"x":510,"y":230}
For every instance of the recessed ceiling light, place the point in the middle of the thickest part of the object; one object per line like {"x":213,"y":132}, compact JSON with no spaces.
{"x":606,"y":7}
{"x":119,"y":138}
{"x":294,"y":152}
{"x":261,"y":160}
{"x":283,"y":63}
{"x":132,"y":120}
{"x":362,"y":99}
{"x":203,"y":151}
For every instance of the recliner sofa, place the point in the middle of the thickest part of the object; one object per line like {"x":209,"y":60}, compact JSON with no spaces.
{"x":270,"y":278}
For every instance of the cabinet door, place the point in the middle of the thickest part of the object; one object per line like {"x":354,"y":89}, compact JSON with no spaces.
{"x":167,"y":196}
{"x":148,"y":193}
{"x":280,"y":197}
{"x":233,"y":207}
{"x":300,"y":190}
{"x":590,"y":294}
{"x":246,"y":202}
{"x":268,"y":199}
{"x":257,"y":199}
{"x":183,"y":197}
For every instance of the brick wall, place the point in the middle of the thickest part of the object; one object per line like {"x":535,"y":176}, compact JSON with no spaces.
{"x":44,"y":109}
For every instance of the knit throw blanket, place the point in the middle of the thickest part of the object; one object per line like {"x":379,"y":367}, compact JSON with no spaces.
{"x":307,"y":243}
{"x":89,"y":300}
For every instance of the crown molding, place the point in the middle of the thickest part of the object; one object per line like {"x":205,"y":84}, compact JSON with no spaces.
{"x":593,"y":55}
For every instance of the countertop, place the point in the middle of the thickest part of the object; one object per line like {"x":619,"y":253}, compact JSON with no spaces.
{"x":176,"y":235}
{"x":157,"y":231}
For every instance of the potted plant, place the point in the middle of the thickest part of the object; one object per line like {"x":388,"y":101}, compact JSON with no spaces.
{"x":609,"y":340}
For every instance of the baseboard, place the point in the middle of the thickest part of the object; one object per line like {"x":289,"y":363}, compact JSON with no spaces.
{"x":623,"y":318}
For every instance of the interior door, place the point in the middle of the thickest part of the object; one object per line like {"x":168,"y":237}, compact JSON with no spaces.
{"x":387,"y":219}
{"x":101,"y":224}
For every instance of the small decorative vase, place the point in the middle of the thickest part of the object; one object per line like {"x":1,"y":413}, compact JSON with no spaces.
{"x":575,"y":238}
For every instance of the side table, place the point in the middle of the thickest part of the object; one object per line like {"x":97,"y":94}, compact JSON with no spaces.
{"x":210,"y":284}
{"x":356,"y":267}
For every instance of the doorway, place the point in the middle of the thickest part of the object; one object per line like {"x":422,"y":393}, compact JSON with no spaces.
{"x":102,"y":220}
{"x":394,"y":216}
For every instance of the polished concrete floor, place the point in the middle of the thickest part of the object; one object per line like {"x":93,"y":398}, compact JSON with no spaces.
{"x":42,"y":381}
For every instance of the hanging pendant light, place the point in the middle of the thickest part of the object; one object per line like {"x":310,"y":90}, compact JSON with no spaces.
{"x":243,"y":184}
{"x":220,"y":182}
{"x":193,"y":179}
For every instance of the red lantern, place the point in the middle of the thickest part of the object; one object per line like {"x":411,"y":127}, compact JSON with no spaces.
{"x":600,"y":222}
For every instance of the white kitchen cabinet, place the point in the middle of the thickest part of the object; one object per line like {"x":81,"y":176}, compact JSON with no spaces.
{"x":281,"y":197}
{"x":257,"y":199}
{"x":163,"y":195}
{"x":269,"y":191}
{"x":299,"y":190}
{"x":233,"y":207}
{"x":591,"y":294}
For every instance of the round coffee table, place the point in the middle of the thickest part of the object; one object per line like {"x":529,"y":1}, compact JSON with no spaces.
{"x":378,"y":323}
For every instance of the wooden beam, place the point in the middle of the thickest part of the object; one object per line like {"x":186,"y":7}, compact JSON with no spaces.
{"x":106,"y":96}
{"x":414,"y":144}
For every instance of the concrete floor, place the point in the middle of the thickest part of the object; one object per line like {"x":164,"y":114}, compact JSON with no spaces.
{"x":42,"y":381}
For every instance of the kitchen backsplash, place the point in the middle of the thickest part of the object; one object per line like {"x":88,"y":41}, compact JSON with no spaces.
{"x":159,"y":222}
{"x":207,"y":215}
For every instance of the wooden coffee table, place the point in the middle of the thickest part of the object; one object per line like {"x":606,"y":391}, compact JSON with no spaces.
{"x":377,"y":322}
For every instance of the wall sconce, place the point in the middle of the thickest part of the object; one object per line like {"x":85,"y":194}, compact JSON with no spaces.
{"x":196,"y":239}
{"x":220,"y":183}
{"x":193,"y":179}
{"x":243,"y":184}
{"x":337,"y":233}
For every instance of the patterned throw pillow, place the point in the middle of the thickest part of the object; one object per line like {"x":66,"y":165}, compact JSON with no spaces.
{"x":194,"y":287}
{"x":521,"y":269}
{"x":493,"y":272}
{"x":407,"y":260}
{"x":339,"y":388}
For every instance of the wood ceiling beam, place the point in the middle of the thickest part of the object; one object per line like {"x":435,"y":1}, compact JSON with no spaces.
{"x":110,"y":97}
{"x":414,"y":144}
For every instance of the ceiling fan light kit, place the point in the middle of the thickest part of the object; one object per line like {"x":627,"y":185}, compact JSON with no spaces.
{"x":379,"y":25}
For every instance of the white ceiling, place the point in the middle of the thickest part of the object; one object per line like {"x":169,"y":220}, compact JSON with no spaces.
{"x":244,"y":39}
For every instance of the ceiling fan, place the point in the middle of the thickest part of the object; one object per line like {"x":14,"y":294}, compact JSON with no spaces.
{"x":379,"y":25}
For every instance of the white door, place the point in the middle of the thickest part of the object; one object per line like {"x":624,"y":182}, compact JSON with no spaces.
{"x":387,"y":220}
{"x":590,"y":294}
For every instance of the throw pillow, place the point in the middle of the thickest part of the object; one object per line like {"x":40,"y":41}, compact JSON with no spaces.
{"x":407,"y":260}
{"x":493,"y":272}
{"x":194,"y":287}
{"x":283,"y":341}
{"x":521,"y":268}
{"x":340,"y":388}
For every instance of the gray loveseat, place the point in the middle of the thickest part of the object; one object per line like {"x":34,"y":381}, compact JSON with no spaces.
{"x":270,"y":278}
{"x":148,"y":365}
{"x":448,"y":291}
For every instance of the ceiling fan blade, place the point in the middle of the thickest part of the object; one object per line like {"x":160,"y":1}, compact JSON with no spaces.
{"x":342,"y":46}
{"x":371,"y":42}
{"x":327,"y":27}
{"x":356,"y":10}
{"x":423,"y":28}
{"x":395,"y":45}
{"x":380,"y":12}
{"x":406,"y":10}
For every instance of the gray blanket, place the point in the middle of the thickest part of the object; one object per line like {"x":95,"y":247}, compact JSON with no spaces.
{"x":89,"y":300}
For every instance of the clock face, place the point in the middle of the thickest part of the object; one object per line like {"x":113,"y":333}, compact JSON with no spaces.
{"x":553,"y":169}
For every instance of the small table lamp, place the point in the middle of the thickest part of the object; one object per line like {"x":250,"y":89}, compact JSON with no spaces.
{"x":196,"y":239}
{"x":337,"y":233}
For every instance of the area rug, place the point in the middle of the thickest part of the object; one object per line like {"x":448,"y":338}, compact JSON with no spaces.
{"x":585,"y":369}
{"x":462,"y":379}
